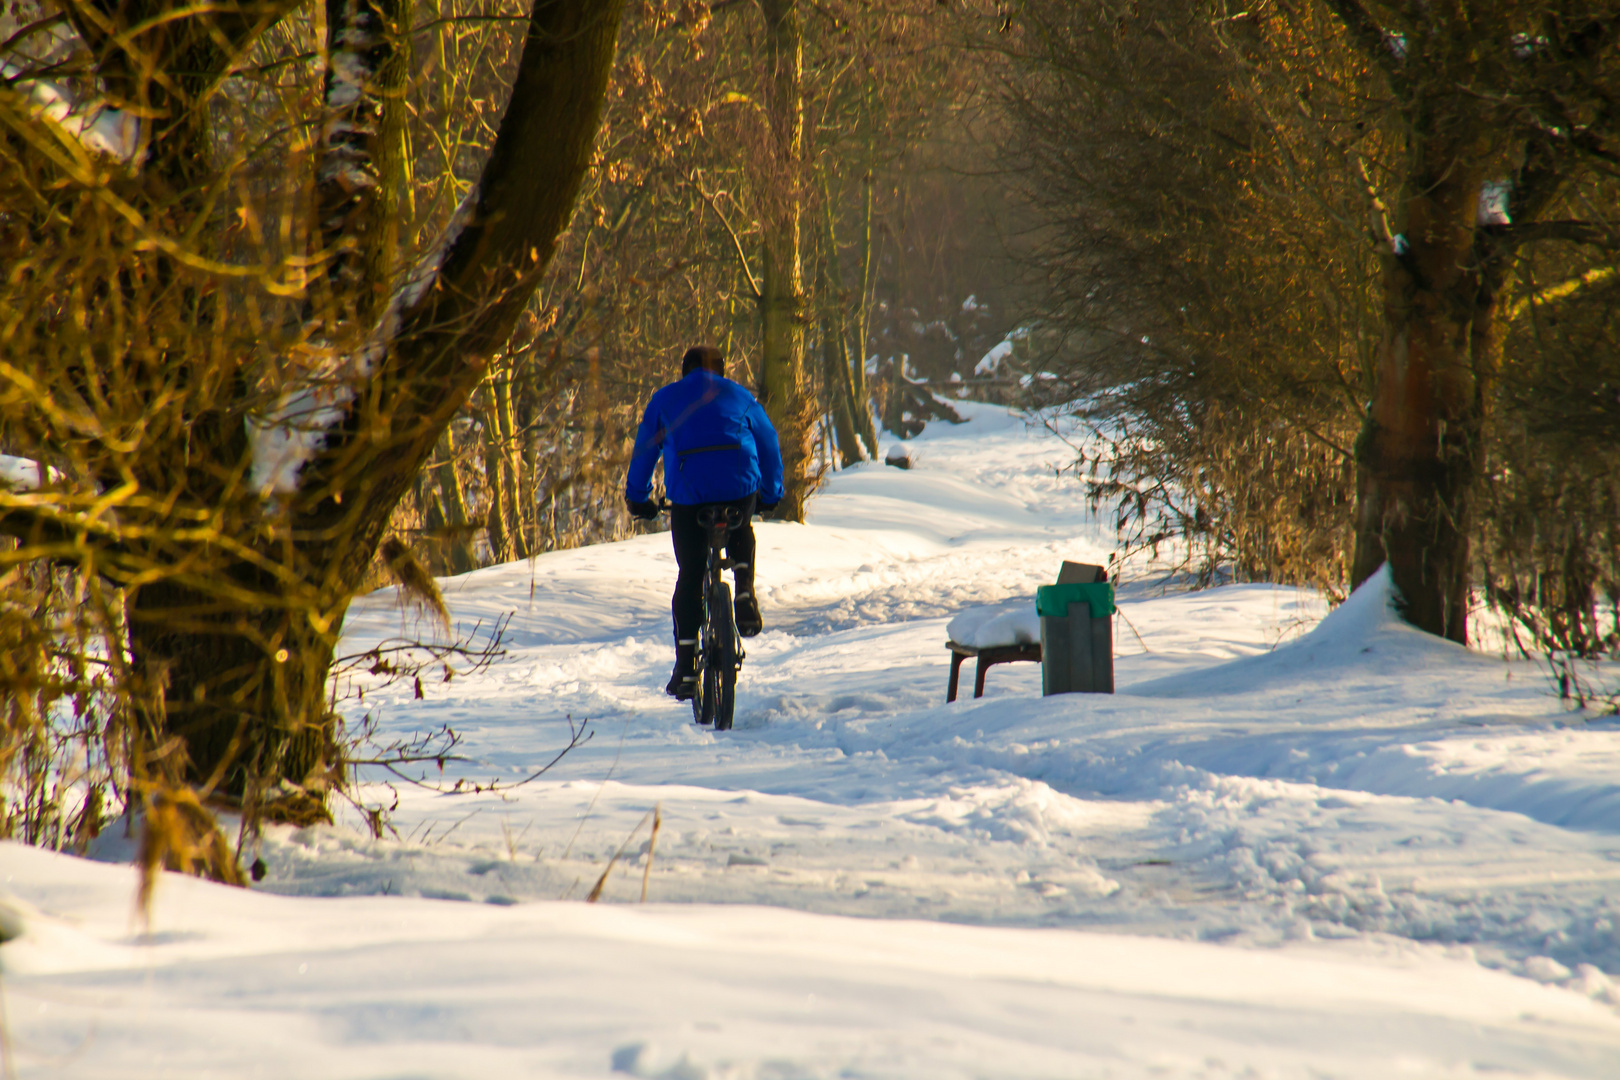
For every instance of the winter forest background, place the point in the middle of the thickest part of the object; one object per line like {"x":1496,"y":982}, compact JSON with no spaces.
{"x":297,"y":300}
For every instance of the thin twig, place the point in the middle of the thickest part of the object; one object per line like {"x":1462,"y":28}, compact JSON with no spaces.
{"x":575,"y":738}
{"x":708,"y":200}
{"x":599,"y":787}
{"x":601,"y":882}
{"x":1132,"y":625}
{"x":652,"y":847}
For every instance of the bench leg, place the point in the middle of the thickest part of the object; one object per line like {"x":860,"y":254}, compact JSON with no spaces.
{"x":978,"y":675}
{"x":956,"y":671}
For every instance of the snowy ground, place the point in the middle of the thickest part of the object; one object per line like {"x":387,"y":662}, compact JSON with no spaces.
{"x":1278,"y":851}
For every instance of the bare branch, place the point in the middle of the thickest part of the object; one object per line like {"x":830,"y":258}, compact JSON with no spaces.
{"x":736,"y":242}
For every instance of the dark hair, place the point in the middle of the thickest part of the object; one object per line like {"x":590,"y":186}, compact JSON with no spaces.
{"x":703,"y":356}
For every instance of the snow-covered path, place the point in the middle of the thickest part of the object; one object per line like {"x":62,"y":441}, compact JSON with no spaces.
{"x":1341,"y":849}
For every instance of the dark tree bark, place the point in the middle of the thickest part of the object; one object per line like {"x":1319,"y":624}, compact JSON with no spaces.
{"x":1420,"y":449}
{"x":782,"y":388}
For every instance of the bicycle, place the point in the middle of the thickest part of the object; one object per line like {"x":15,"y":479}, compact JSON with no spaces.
{"x":720,"y":651}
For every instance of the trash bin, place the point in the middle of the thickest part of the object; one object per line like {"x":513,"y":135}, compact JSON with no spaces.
{"x":1077,"y":637}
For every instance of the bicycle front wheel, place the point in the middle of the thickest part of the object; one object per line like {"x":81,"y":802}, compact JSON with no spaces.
{"x":720,"y":673}
{"x":715,"y":697}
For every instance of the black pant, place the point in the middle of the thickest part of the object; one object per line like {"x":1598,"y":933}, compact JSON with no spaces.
{"x":692,"y":556}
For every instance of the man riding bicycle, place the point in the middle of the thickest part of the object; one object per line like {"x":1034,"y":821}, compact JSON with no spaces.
{"x":719,"y":449}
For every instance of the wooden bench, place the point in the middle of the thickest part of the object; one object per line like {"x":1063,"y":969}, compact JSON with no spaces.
{"x":987,"y":658}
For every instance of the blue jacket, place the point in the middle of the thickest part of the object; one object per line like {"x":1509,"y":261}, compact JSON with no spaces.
{"x":716,"y":441}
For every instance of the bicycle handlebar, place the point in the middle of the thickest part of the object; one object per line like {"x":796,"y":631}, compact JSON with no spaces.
{"x":665,"y":506}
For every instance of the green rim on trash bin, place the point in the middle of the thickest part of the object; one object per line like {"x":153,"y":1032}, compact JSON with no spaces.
{"x":1054,"y":600}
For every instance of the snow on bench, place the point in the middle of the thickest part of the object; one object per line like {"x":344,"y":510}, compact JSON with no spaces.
{"x":1012,"y":623}
{"x":993,"y":634}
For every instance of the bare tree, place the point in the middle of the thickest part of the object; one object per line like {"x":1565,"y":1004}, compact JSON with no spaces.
{"x":227,"y":446}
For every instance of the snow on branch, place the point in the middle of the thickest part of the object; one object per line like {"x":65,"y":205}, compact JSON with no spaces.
{"x":25,"y":474}
{"x":549,"y":125}
{"x":296,"y":429}
{"x":97,"y":126}
{"x":314,"y":405}
{"x":1494,"y":198}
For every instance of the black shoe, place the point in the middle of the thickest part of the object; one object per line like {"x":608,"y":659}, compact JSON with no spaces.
{"x":745,"y":609}
{"x":683,"y":682}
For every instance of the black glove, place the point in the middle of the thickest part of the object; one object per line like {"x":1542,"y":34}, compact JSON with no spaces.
{"x":767,"y":508}
{"x":646,"y":509}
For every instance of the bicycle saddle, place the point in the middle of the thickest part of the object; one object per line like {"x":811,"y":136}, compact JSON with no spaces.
{"x":710,"y":516}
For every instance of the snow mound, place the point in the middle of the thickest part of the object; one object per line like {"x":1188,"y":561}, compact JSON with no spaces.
{"x":1011,"y":623}
{"x":1362,"y":636}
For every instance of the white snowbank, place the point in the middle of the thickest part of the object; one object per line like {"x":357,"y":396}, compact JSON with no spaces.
{"x":1363,"y":633}
{"x":238,"y":983}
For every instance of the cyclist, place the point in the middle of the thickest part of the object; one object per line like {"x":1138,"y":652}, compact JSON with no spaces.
{"x":718,"y":449}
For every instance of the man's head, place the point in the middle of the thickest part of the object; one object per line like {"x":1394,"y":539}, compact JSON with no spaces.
{"x":706,"y":357}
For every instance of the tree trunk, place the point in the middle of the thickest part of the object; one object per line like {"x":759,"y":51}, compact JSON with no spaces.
{"x":782,"y":387}
{"x":514,"y":483}
{"x":863,"y":320}
{"x":497,"y":523}
{"x":435,"y":524}
{"x":835,"y":367}
{"x":453,"y":500}
{"x":894,"y":400}
{"x":1419,"y":453}
{"x":841,"y":402}
{"x":362,"y":164}
{"x":859,"y":390}
{"x":243,"y":690}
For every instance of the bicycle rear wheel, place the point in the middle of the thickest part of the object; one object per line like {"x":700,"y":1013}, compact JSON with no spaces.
{"x":703,"y":696}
